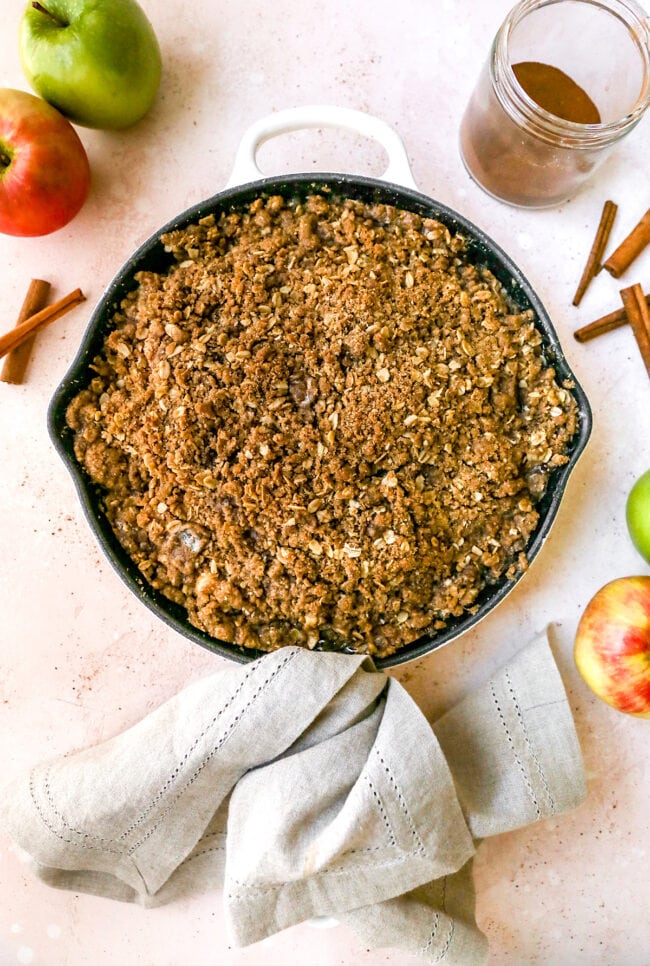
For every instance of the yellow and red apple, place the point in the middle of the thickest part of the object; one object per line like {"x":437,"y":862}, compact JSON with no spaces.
{"x":612,"y":646}
{"x":44,"y":171}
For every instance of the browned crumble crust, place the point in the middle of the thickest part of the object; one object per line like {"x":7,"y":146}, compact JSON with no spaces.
{"x":322,"y":424}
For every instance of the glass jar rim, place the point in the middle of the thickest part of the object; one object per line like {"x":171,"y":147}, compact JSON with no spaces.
{"x":550,"y":127}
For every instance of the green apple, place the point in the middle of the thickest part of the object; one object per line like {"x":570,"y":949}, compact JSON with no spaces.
{"x":637,"y":514}
{"x":96,"y":61}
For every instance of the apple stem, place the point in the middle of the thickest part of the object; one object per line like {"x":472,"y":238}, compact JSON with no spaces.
{"x":48,"y":13}
{"x":5,"y":160}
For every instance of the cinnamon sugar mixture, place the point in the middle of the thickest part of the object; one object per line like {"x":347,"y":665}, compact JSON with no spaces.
{"x":322,"y":425}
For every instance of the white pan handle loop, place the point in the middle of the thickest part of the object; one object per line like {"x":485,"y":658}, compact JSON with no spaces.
{"x":245,"y":167}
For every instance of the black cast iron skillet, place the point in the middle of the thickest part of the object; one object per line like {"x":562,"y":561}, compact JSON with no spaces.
{"x":152,"y":257}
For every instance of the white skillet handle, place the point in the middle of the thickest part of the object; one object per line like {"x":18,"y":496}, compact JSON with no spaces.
{"x":245,"y":168}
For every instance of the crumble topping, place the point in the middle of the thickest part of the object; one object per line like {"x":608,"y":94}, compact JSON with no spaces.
{"x":322,"y":426}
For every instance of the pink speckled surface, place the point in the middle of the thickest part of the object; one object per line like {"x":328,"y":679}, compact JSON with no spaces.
{"x":80,"y":659}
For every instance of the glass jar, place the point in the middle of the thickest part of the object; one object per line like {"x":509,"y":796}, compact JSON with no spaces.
{"x":520,"y":152}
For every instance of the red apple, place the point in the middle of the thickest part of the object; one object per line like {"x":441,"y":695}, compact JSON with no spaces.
{"x":612,"y":646}
{"x":44,"y":171}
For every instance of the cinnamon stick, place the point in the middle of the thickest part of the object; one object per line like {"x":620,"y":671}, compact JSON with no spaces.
{"x":607,"y":323}
{"x":637,"y":311}
{"x":11,"y":340}
{"x":15,"y":364}
{"x":614,"y":320}
{"x":597,"y":250}
{"x":630,"y":247}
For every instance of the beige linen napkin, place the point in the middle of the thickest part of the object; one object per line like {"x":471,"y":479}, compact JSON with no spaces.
{"x":308,"y":784}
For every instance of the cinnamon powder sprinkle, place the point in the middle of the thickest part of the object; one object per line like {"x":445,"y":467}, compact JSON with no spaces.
{"x":322,"y":426}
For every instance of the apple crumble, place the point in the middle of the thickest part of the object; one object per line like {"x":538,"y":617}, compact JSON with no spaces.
{"x":322,"y":425}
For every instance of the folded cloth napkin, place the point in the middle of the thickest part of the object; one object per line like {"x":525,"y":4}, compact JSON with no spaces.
{"x":308,"y":784}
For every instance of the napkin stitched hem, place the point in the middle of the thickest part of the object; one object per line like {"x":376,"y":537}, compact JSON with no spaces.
{"x":310,"y":784}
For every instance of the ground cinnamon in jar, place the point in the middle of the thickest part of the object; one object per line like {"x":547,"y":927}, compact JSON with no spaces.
{"x":556,"y":92}
{"x":565,"y":80}
{"x":521,"y":159}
